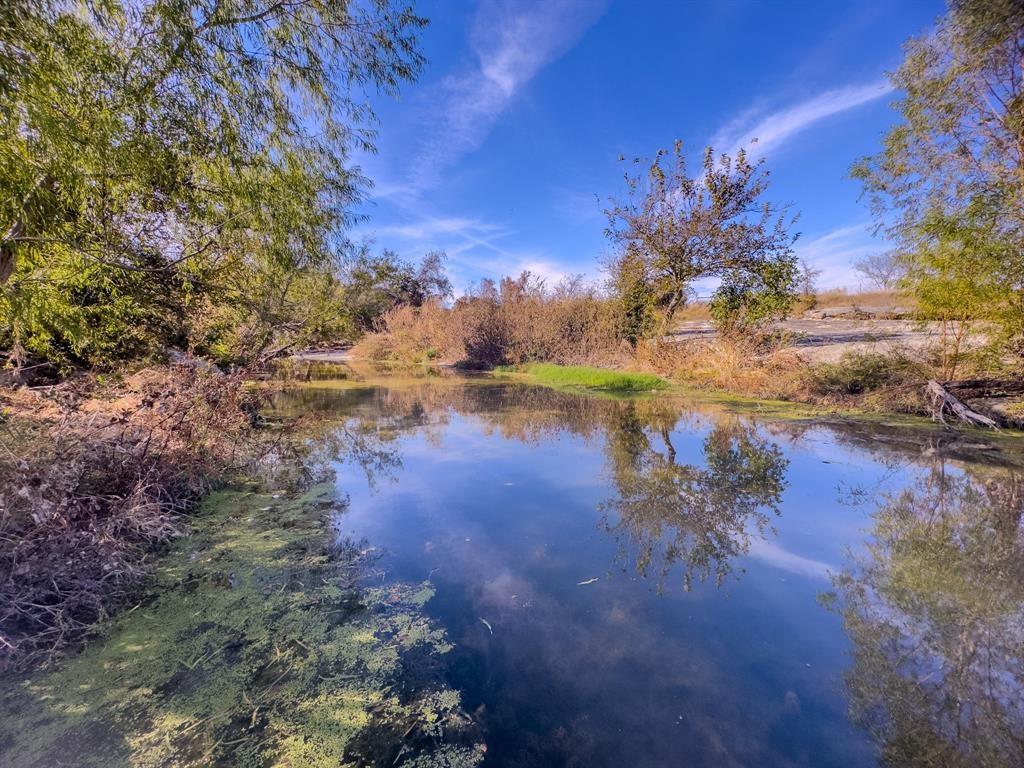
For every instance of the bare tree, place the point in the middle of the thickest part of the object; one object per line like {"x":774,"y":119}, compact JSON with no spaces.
{"x":808,"y":278}
{"x":882,"y":270}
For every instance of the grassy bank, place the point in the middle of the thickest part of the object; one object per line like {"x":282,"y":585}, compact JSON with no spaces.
{"x":869,"y":390}
{"x":585,"y":377}
{"x":257,"y":647}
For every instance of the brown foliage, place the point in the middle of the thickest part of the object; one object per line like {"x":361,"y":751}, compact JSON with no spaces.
{"x":766,"y":369}
{"x":757,"y":370}
{"x":92,"y":478}
{"x":517,"y":321}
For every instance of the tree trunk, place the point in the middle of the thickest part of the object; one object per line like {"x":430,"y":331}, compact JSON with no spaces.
{"x":986,"y":387}
{"x":16,"y":230}
{"x":670,"y":311}
{"x":943,"y":400}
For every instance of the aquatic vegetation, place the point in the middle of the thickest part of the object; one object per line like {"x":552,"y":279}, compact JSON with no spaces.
{"x":259,"y":647}
{"x":593,"y":378}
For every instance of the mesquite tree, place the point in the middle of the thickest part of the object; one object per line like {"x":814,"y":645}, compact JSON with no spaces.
{"x":178,"y":171}
{"x":713,"y":225}
{"x":948,"y":185}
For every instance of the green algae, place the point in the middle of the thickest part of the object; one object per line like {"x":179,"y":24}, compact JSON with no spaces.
{"x":258,"y":647}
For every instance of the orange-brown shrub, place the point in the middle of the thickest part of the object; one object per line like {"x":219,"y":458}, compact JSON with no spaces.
{"x":757,"y":370}
{"x":517,"y":321}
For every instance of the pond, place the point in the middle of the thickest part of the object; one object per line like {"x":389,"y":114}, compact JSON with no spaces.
{"x":655,"y":581}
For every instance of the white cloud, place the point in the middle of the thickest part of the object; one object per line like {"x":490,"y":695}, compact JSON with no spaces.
{"x":774,"y":129}
{"x":774,"y":555}
{"x":419,"y":234}
{"x":834,"y":253}
{"x":512,"y":43}
{"x":512,"y":264}
{"x":430,"y":228}
{"x":473,"y":247}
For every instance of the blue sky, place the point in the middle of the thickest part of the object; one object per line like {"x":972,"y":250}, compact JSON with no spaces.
{"x":498,"y":153}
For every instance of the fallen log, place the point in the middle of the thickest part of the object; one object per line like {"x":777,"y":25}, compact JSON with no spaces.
{"x":942,"y":401}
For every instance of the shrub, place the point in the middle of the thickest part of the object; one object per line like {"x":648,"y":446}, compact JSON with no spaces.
{"x":91,"y":479}
{"x":856,"y":373}
{"x":753,"y":368}
{"x":517,"y":321}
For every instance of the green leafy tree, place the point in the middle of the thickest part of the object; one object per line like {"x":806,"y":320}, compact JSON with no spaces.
{"x":376,"y":284}
{"x":948,"y":186}
{"x":191,"y":151}
{"x":712,"y":225}
{"x":631,"y":289}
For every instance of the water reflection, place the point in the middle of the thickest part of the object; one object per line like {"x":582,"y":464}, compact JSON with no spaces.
{"x":665,"y":513}
{"x":934,"y":611}
{"x":929,"y":580}
{"x":699,"y":517}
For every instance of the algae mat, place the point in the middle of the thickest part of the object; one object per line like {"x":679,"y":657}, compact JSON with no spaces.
{"x":261,"y":645}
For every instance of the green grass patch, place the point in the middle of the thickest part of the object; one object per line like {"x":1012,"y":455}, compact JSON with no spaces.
{"x":585,"y":377}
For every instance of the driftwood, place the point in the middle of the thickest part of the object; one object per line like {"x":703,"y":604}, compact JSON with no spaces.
{"x":943,"y":401}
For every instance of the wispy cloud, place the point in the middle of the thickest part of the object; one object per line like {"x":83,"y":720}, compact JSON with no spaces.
{"x":424,"y":233}
{"x":834,"y":253}
{"x":511,"y":43}
{"x":774,"y":129}
{"x":428,"y":228}
{"x":774,"y":555}
{"x":475,"y":249}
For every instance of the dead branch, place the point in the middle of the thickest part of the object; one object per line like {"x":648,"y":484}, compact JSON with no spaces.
{"x":942,"y":400}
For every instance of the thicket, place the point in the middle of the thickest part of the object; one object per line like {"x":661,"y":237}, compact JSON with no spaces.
{"x":515,"y":321}
{"x":94,"y":476}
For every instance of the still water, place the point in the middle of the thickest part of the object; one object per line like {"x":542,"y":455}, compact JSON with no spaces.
{"x":651,"y":583}
{"x":447,"y":572}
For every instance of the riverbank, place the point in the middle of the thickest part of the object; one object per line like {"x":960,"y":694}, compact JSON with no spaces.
{"x":848,"y":360}
{"x":586,"y":378}
{"x":323,"y":386}
{"x":99,"y":473}
{"x":889,"y":384}
{"x":813,"y":409}
{"x":265,"y":638}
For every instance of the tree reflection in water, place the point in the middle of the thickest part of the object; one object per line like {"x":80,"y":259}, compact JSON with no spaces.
{"x":698,"y":517}
{"x":665,"y":513}
{"x":933,"y":603}
{"x":935,"y":611}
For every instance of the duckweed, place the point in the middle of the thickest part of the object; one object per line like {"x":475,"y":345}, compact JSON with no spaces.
{"x":259,"y":647}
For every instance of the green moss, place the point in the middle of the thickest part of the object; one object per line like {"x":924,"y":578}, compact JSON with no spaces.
{"x":257,"y":649}
{"x":583,"y":377}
